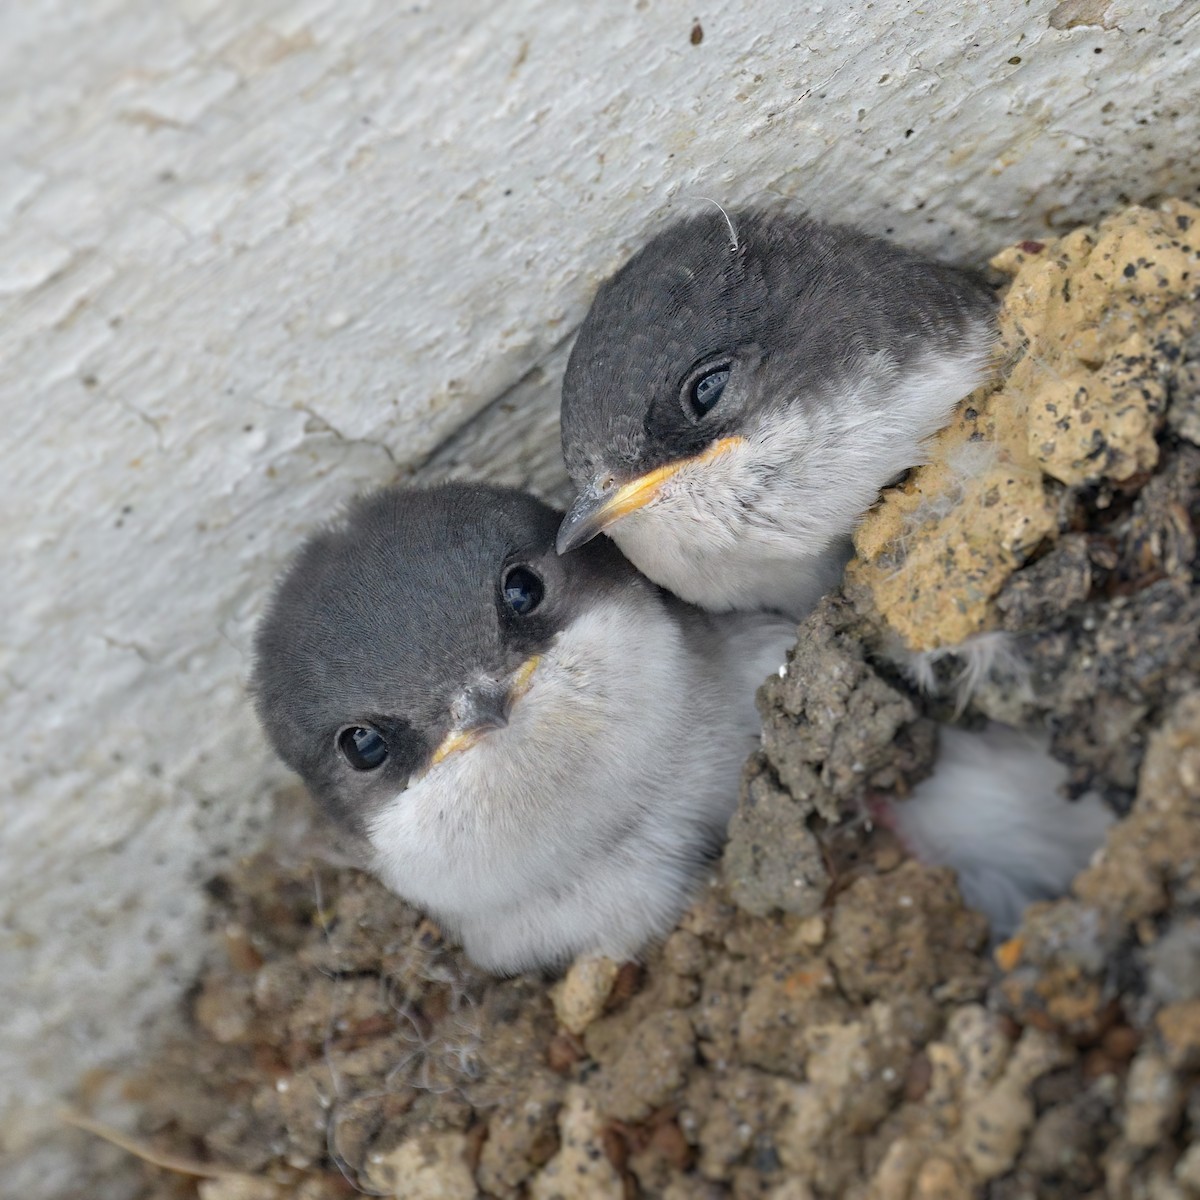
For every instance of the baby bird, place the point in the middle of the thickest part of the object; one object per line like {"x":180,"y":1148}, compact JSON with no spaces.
{"x":735,"y":402}
{"x":739,"y":393}
{"x":542,"y":752}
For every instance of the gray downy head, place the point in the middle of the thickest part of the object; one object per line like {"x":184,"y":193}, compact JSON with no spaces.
{"x":393,"y":621}
{"x":700,"y":335}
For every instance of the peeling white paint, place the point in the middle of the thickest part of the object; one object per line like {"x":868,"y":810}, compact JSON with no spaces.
{"x":255,"y":257}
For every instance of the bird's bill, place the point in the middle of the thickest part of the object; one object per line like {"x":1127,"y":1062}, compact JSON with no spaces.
{"x":485,"y":710}
{"x":598,"y":507}
{"x":457,"y":740}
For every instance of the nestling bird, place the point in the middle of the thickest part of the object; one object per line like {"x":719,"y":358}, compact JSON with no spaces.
{"x":542,"y":752}
{"x":738,"y":394}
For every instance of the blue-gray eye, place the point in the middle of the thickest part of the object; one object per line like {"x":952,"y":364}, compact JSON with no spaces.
{"x":706,"y":391}
{"x":362,"y":747}
{"x":523,"y":590}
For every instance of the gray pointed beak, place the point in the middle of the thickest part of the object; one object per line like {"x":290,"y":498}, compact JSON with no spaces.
{"x":483,"y":707}
{"x":588,"y":516}
{"x":604,"y":502}
{"x":599,"y":505}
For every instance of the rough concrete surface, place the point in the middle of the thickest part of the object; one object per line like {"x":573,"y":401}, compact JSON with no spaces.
{"x":845,"y":1030}
{"x":255,"y":257}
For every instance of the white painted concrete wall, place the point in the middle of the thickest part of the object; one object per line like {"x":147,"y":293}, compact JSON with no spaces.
{"x":256,"y":255}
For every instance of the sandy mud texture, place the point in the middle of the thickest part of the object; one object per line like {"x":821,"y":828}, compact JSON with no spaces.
{"x":828,"y":1020}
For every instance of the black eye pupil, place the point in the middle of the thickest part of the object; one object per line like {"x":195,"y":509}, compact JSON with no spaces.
{"x":523,"y":590}
{"x":362,"y":747}
{"x":706,"y":391}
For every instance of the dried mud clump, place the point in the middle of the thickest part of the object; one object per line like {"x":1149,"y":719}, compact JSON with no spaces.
{"x":828,"y":1020}
{"x":1093,"y":330}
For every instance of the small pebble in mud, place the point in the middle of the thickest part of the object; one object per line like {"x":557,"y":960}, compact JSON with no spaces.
{"x":581,"y":996}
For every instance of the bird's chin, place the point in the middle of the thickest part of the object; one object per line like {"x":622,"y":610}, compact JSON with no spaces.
{"x":721,"y":565}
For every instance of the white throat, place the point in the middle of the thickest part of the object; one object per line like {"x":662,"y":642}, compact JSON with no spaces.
{"x":767,"y":524}
{"x":580,"y":826}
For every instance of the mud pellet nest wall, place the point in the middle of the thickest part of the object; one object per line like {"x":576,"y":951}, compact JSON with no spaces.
{"x":828,"y":1020}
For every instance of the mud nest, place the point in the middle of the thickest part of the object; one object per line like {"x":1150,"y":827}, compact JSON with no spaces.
{"x":827,"y":1020}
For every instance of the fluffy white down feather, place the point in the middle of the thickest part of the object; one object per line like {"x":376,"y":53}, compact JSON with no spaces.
{"x":993,"y":811}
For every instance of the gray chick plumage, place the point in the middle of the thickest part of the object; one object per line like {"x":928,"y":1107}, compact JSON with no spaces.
{"x":814,"y":360}
{"x":561,"y":740}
